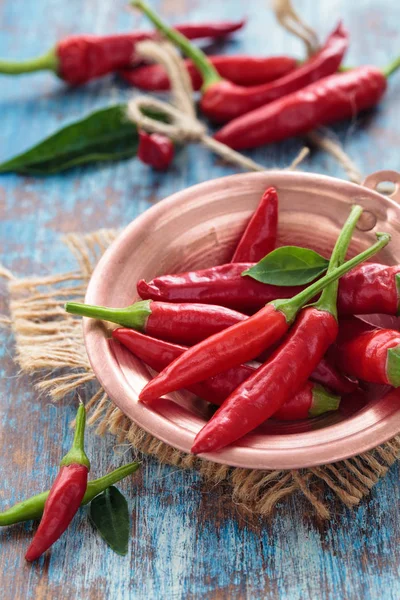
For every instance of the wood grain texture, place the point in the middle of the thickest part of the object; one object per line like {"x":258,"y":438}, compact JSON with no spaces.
{"x":188,"y":542}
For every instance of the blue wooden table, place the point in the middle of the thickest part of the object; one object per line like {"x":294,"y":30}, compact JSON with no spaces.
{"x":187,"y":542}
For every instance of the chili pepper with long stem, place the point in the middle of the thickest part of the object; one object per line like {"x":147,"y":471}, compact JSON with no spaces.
{"x":155,"y":150}
{"x":33,"y":507}
{"x":262,"y":394}
{"x":66,"y":493}
{"x":259,"y":237}
{"x":223,"y":100}
{"x":181,"y":323}
{"x":80,"y":58}
{"x":310,"y":401}
{"x":334,"y":98}
{"x":369,"y":353}
{"x":240,"y":69}
{"x":369,"y":288}
{"x":246,"y":340}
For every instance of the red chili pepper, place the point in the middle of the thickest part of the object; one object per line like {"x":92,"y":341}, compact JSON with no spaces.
{"x":334,"y":98}
{"x":155,"y":150}
{"x":310,"y":401}
{"x":66,"y":493}
{"x":327,"y":375}
{"x":259,"y":237}
{"x":243,"y":341}
{"x":180,"y":323}
{"x":367,"y":289}
{"x":240,"y":69}
{"x":80,"y":58}
{"x":370,"y":288}
{"x":223,"y":285}
{"x":369,"y":353}
{"x":223,"y":100}
{"x":288,"y":369}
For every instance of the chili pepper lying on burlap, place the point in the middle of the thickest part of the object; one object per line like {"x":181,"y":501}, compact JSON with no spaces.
{"x":367,"y":289}
{"x":240,"y":69}
{"x":289,"y":367}
{"x":80,"y":58}
{"x":259,"y":237}
{"x":223,"y":100}
{"x":245,"y":340}
{"x":310,"y":401}
{"x":368,"y":353}
{"x":66,"y":493}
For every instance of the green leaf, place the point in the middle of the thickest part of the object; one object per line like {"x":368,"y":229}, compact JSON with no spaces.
{"x":110,"y":515}
{"x":105,"y":134}
{"x":289,"y":265}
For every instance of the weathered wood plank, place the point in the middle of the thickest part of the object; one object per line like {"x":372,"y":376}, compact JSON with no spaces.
{"x":188,"y":542}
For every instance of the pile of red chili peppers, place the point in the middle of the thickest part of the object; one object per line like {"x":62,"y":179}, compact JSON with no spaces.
{"x":259,"y":99}
{"x":199,"y":330}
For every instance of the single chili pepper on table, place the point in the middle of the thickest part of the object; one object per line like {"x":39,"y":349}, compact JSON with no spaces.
{"x":246,"y":340}
{"x":240,"y":69}
{"x":223,"y":100}
{"x":369,"y":288}
{"x":289,"y":367}
{"x":80,"y":58}
{"x":259,"y":237}
{"x":155,"y":150}
{"x":180,"y":323}
{"x":311,"y":400}
{"x":33,"y":507}
{"x":334,"y":98}
{"x":66,"y":493}
{"x":369,"y":353}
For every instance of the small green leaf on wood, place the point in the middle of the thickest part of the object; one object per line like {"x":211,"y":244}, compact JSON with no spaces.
{"x":110,"y":515}
{"x":289,"y":266}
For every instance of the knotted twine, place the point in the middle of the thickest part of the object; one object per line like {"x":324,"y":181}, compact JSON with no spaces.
{"x":183,"y":127}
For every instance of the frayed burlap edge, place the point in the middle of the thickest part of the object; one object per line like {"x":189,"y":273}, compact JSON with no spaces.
{"x":49,"y":342}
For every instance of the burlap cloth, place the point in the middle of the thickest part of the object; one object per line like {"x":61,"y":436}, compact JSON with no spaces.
{"x":49,"y":343}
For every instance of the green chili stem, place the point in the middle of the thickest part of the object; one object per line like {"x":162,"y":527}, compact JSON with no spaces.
{"x":76,"y":454}
{"x":208,"y":72}
{"x":46,"y":62}
{"x":328,"y":299}
{"x":322,"y":401}
{"x":291,"y":307}
{"x":134,"y":316}
{"x":32,"y":508}
{"x":392,"y":67}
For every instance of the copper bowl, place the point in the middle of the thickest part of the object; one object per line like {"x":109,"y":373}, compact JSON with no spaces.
{"x":199,"y":227}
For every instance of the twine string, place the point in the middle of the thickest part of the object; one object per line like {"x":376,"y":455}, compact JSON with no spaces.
{"x":183,"y":125}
